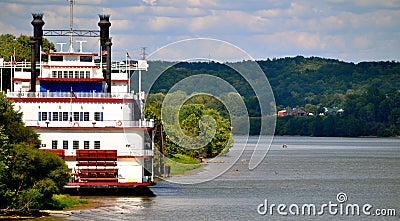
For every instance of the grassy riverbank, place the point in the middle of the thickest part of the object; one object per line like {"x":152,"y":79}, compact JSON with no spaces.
{"x":180,"y":164}
{"x":59,"y":202}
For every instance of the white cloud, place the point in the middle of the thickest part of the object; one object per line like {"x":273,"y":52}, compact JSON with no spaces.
{"x":150,"y":2}
{"x":352,"y":30}
{"x":165,"y":24}
{"x":361,"y":42}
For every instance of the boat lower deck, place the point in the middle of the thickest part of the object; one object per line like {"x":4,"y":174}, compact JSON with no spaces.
{"x":109,"y":189}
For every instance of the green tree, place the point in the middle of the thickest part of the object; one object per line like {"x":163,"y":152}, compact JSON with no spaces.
{"x":14,"y":126}
{"x":28,"y":176}
{"x":192,"y":125}
{"x":9,"y":43}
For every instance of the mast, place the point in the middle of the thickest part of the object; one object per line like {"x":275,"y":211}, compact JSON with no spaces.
{"x":143,"y":57}
{"x":71,"y":24}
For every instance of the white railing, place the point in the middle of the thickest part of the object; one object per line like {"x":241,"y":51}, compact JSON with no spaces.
{"x":140,"y":65}
{"x":141,"y":153}
{"x":95,"y":124}
{"x":78,"y":95}
{"x":133,"y":153}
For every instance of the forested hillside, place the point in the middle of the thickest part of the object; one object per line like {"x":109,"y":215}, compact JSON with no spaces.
{"x":297,"y":82}
{"x":368,"y":92}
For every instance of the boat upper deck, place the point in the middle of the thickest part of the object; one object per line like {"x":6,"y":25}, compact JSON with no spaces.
{"x":74,"y":95}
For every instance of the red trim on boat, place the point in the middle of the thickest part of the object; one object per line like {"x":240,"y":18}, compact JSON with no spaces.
{"x":21,"y":79}
{"x":107,"y":184}
{"x":71,"y":79}
{"x":68,"y":100}
{"x":119,"y":81}
{"x":73,"y":158}
{"x":79,"y":80}
{"x":71,"y":53}
{"x":91,"y":128}
{"x":127,"y":157}
{"x":71,"y":66}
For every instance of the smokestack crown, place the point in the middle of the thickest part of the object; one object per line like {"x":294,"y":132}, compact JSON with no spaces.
{"x":37,"y":19}
{"x":104,"y":21}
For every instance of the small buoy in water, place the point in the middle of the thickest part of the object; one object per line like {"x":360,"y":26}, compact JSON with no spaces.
{"x":284,"y":146}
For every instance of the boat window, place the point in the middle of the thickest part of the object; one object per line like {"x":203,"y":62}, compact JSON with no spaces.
{"x":56,"y":58}
{"x":71,"y":58}
{"x":65,"y":74}
{"x":55,"y":116}
{"x":71,"y":74}
{"x":59,"y":74}
{"x":97,"y":144}
{"x":54,"y":144}
{"x":82,"y":74}
{"x":75,"y":144}
{"x":54,"y":74}
{"x":76,"y":116}
{"x":65,"y":144}
{"x":65,"y":116}
{"x":86,"y":58}
{"x":98,"y":116}
{"x":76,"y":74}
{"x":44,"y":116}
{"x":87,"y":74}
{"x":86,"y":144}
{"x":86,"y":116}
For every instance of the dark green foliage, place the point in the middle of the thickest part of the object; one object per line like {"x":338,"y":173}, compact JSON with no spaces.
{"x":370,"y":113}
{"x":190,"y":114}
{"x":368,"y":92}
{"x":9,"y":43}
{"x":28,"y":176}
{"x":296,"y":81}
{"x":13,"y":125}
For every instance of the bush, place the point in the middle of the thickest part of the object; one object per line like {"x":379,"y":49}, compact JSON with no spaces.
{"x":185,"y":159}
{"x":60,"y":201}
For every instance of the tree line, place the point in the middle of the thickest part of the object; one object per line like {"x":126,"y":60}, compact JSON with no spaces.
{"x":366,"y":91}
{"x":369,"y":113}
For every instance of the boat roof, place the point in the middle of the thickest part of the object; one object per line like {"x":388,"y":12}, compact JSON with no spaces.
{"x":71,"y":53}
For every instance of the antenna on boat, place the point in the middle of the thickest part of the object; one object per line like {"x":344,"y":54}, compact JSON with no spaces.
{"x":71,"y":24}
{"x":143,"y":53}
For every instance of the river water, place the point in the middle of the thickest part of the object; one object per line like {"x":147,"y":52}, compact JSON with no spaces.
{"x":365,"y":171}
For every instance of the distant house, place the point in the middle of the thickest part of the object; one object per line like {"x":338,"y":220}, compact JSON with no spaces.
{"x":293,"y":112}
{"x":332,"y":110}
{"x":282,"y":113}
{"x":296,"y":113}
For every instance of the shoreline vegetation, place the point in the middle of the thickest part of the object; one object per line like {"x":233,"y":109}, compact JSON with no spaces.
{"x":180,"y":164}
{"x":61,"y":202}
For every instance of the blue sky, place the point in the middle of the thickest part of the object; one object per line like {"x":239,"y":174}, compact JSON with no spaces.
{"x":349,"y":30}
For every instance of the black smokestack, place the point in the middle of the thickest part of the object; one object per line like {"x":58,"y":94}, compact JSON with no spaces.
{"x":104,"y":25}
{"x":32,"y":43}
{"x":36,"y":42}
{"x":105,"y":46}
{"x":108,"y":66}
